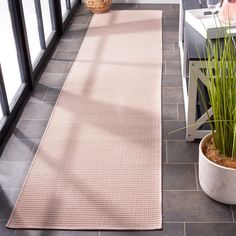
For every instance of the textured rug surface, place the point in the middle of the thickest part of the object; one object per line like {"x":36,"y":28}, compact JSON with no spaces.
{"x":99,"y":163}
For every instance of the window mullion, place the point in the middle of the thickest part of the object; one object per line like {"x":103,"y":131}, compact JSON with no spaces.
{"x":40,"y":24}
{"x":55,"y":7}
{"x":3,"y":96}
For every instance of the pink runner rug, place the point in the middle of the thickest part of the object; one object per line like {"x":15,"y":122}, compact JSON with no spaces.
{"x":99,"y":163}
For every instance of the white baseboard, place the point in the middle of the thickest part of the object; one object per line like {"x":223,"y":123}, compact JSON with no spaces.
{"x":147,"y":1}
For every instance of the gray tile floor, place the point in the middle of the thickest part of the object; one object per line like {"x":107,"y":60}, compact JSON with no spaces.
{"x":187,"y":210}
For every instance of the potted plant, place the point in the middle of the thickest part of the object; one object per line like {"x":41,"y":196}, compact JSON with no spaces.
{"x":217,"y":151}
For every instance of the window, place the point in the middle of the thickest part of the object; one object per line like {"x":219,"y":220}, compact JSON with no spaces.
{"x":8,"y":54}
{"x":29,"y":31}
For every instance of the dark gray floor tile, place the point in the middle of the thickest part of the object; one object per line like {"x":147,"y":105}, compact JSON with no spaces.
{"x":35,"y":148}
{"x":170,"y":37}
{"x":67,"y":36}
{"x":65,"y":55}
{"x":173,"y":130}
{"x":172,"y":67}
{"x":52,"y":80}
{"x":8,"y":198}
{"x":37,"y":110}
{"x":171,"y":55}
{"x":175,"y":6}
{"x":154,"y":6}
{"x":170,"y":21}
{"x":179,"y":177}
{"x":57,"y":66}
{"x":123,"y":6}
{"x":82,"y":9}
{"x":4,"y":231}
{"x":168,"y":46}
{"x":171,"y":80}
{"x":176,"y":45}
{"x":74,"y":37}
{"x":82,"y":18}
{"x":78,"y":28}
{"x":173,"y":13}
{"x":17,"y":150}
{"x":68,"y":46}
{"x":30,"y":129}
{"x":169,"y":229}
{"x":171,"y":28}
{"x":182,"y":152}
{"x":172,"y":94}
{"x":194,"y":206}
{"x":38,"y":93}
{"x":52,"y":95}
{"x":169,"y":111}
{"x":76,"y":233}
{"x":12,"y":174}
{"x":213,"y":229}
{"x":181,"y":111}
{"x":54,"y":233}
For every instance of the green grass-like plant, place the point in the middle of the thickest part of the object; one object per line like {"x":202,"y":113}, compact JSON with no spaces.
{"x":221,"y":76}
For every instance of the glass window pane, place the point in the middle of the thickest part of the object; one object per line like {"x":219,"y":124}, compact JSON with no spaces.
{"x":8,"y":53}
{"x":47,"y":24}
{"x":63,"y":7}
{"x":72,"y":2}
{"x":31,"y":28}
{"x":1,"y":115}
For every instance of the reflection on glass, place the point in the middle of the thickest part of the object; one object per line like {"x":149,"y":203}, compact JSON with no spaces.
{"x":63,"y":7}
{"x":31,"y":28}
{"x":46,"y":18}
{"x":8,"y":54}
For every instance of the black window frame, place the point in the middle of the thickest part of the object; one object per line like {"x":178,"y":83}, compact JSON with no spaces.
{"x":30,"y":73}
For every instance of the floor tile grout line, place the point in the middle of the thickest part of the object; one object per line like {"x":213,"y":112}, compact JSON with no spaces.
{"x":232,"y":212}
{"x":196,"y":173}
{"x":25,"y":119}
{"x":41,"y":101}
{"x":10,"y":188}
{"x":180,"y":163}
{"x":184,"y":228}
{"x":181,"y":190}
{"x":25,"y":138}
{"x":23,"y":162}
{"x":171,"y":103}
{"x":180,"y":87}
{"x":169,"y":163}
{"x":174,"y":120}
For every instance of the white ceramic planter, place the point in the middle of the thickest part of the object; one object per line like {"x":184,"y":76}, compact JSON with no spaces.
{"x":217,"y":182}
